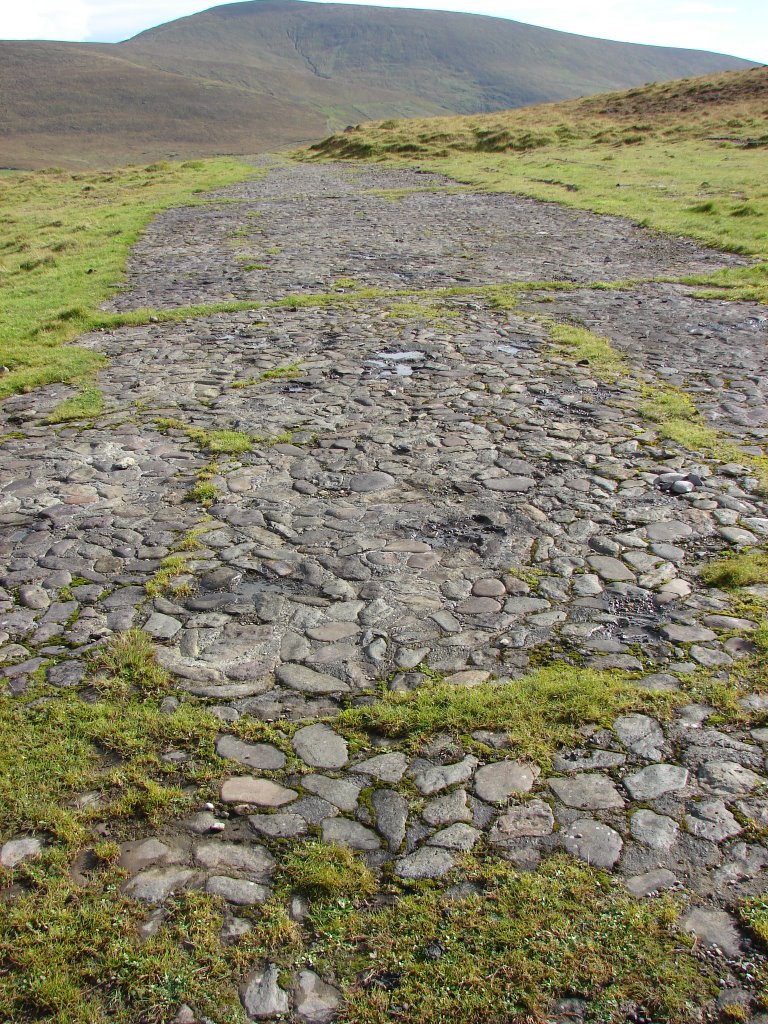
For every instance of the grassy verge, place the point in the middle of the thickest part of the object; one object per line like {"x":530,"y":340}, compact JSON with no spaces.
{"x":538,"y":712}
{"x":65,"y":241}
{"x":510,"y":952}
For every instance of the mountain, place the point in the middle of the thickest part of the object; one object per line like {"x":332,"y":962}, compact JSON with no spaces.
{"x":249,"y":77}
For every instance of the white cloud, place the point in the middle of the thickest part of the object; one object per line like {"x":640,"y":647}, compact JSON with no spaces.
{"x":46,"y":19}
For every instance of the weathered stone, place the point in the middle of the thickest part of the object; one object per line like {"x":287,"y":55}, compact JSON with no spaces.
{"x":319,"y":746}
{"x":299,"y":677}
{"x":155,"y":885}
{"x":251,"y":860}
{"x":316,"y":1001}
{"x":342,"y":793}
{"x":458,"y":836}
{"x":713,"y":928}
{"x":245,"y":789}
{"x":656,"y":780}
{"x":15,"y":851}
{"x":428,"y":862}
{"x":391,"y":810}
{"x":587,"y":791}
{"x":262,"y":756}
{"x":432,"y":778}
{"x":728,"y":778}
{"x":285,"y":825}
{"x":498,"y":781}
{"x":711,"y":820}
{"x":349,"y":833}
{"x":240,"y":891}
{"x":651,"y":882}
{"x":640,"y":734}
{"x":534,"y":818}
{"x":387,"y":767}
{"x":654,"y":830}
{"x":262,"y":996}
{"x":364,"y":482}
{"x":593,"y":842}
{"x":444,"y":810}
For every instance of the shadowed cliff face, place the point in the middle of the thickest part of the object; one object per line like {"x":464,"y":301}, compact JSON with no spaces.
{"x":248,"y":77}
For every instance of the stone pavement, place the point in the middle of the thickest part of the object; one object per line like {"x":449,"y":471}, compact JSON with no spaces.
{"x":444,"y":493}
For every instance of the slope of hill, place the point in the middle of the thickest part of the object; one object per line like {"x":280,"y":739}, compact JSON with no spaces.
{"x":247,"y":77}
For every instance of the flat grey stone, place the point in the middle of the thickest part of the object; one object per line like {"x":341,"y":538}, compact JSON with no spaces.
{"x":391,"y":810}
{"x":17,"y":850}
{"x":387,"y":767}
{"x":710,"y":658}
{"x":306,"y":680}
{"x":651,"y":882}
{"x":364,"y":482}
{"x":428,"y":862}
{"x":349,"y":833}
{"x":456,"y":837}
{"x":262,"y":756}
{"x":681,"y":634}
{"x":611,"y":569}
{"x":283,"y":825}
{"x":655,"y":781}
{"x":444,"y":810}
{"x":728,"y":778}
{"x":531,"y":819}
{"x":436,"y":777}
{"x":713,"y":928}
{"x":593,"y":842}
{"x":498,"y":781}
{"x":251,"y":859}
{"x":668,"y":531}
{"x":510,"y":483}
{"x":245,"y":789}
{"x":135,"y":856}
{"x":711,"y":820}
{"x":155,"y":885}
{"x":654,"y":830}
{"x":316,"y":1001}
{"x":314,"y":810}
{"x":239,"y":891}
{"x":587,"y":791}
{"x":262,"y":996}
{"x":320,"y":747}
{"x":640,"y":734}
{"x":162,"y":627}
{"x":342,"y":793}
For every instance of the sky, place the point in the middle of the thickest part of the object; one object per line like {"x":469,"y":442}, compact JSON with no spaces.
{"x":738,"y":27}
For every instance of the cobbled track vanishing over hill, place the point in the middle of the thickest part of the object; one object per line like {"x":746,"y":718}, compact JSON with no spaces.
{"x":445,"y":491}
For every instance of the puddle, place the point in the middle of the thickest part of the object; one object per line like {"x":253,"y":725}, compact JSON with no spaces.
{"x":399,"y":363}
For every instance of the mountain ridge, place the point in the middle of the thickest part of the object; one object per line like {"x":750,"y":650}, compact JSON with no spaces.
{"x":248,"y":77}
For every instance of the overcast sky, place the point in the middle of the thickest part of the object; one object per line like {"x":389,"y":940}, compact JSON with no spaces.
{"x":738,"y":27}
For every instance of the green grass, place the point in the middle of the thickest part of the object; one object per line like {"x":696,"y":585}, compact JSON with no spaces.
{"x":676,"y":417}
{"x":745,"y":569}
{"x":584,"y":346}
{"x":65,"y":241}
{"x":538,"y":712}
{"x":87,"y":404}
{"x":511,"y":952}
{"x":170,"y":569}
{"x":327,"y":870}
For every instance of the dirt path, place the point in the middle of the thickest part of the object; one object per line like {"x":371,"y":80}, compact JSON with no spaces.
{"x":440,"y":491}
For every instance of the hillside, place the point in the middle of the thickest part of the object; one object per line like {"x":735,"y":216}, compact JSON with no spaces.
{"x":247,"y":77}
